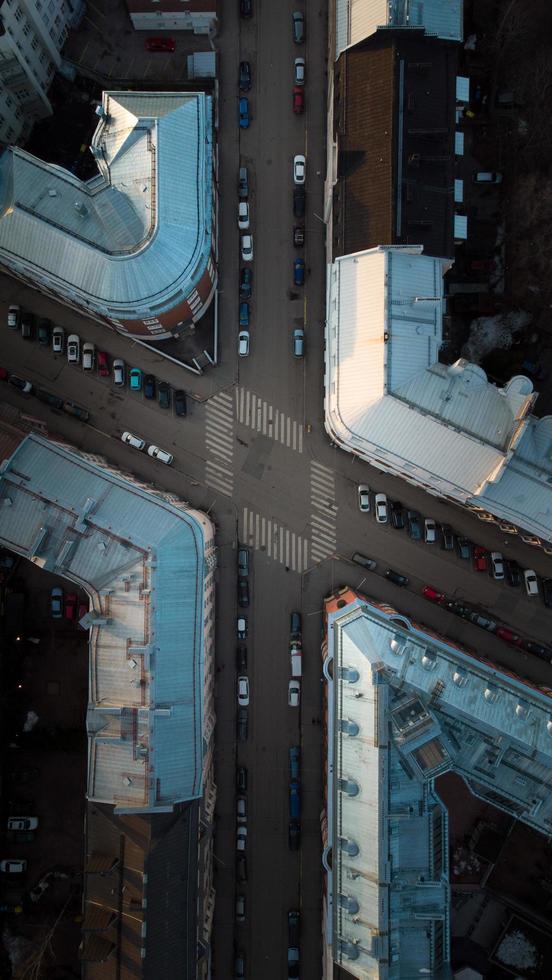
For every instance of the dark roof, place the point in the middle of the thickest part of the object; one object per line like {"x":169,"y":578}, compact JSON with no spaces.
{"x":140,"y":894}
{"x":395,"y":103}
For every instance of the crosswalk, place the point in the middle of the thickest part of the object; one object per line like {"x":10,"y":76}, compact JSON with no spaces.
{"x":323,"y":511}
{"x":219,"y":442}
{"x":261,"y":416}
{"x":277,"y":541}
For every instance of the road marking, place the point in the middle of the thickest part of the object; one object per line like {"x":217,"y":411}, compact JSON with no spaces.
{"x":263,"y":417}
{"x":219,"y":443}
{"x":323,"y":511}
{"x":280,"y":544}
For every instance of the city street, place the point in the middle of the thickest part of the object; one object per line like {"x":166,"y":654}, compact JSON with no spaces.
{"x":253,"y":452}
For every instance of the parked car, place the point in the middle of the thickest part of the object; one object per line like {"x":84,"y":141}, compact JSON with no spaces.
{"x":27,"y":326}
{"x":482,"y":621}
{"x":244,"y":112}
{"x":537,"y":649}
{"x":299,"y":272}
{"x":160,"y":44}
{"x":243,"y":215}
{"x":88,"y":356}
{"x":241,"y":809}
{"x":245,"y":76}
{"x":433,"y":594}
{"x":56,"y":602}
{"x":546,"y":584}
{"x":73,"y":348}
{"x":430,"y":530}
{"x":77,"y":410}
{"x":295,"y":625}
{"x":299,"y":169}
{"x":149,"y":386}
{"x":463,"y":548}
{"x":508,"y":635}
{"x":294,"y":800}
{"x":294,"y":693}
{"x":243,"y":183}
{"x":397,"y":515}
{"x":531,"y":582}
{"x":180,"y":403}
{"x":135,"y":379}
{"x":294,"y":927}
{"x":243,"y":343}
{"x":497,"y":565}
{"x":135,"y":441}
{"x":243,"y":593}
{"x":294,"y":762}
{"x":513,"y":576}
{"x":298,"y":100}
{"x":118,"y":372}
{"x":298,"y":26}
{"x":241,"y":779}
{"x":487,"y":177}
{"x":70,"y":606}
{"x":299,"y":202}
{"x":241,"y":658}
{"x":22,"y":385}
{"x":54,"y":401}
{"x":241,"y":842}
{"x":246,"y":8}
{"x":380,"y":509}
{"x":396,"y":577}
{"x":247,"y":248}
{"x":164,"y":395}
{"x":364,"y":497}
{"x":22,"y":823}
{"x":447,"y":537}
{"x":244,"y":315}
{"x":246,"y":281}
{"x":161,"y":454}
{"x":368,"y":563}
{"x":414,"y":525}
{"x":13,"y":866}
{"x":298,"y":236}
{"x":58,"y":337}
{"x":14,"y":316}
{"x":479,"y":558}
{"x":298,"y":342}
{"x":44,"y":332}
{"x":241,"y":625}
{"x":240,"y":908}
{"x":293,"y":962}
{"x":102,"y":364}
{"x":294,"y":835}
{"x":241,"y":870}
{"x":243,"y":562}
{"x":299,"y":71}
{"x":243,"y":724}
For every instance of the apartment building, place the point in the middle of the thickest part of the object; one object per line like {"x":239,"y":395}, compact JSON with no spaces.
{"x":199,"y":16}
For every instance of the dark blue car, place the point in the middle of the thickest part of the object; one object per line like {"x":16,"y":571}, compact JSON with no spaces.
{"x":294,"y":800}
{"x":299,"y":272}
{"x":294,"y":762}
{"x":244,"y":314}
{"x":246,"y":280}
{"x":244,"y":113}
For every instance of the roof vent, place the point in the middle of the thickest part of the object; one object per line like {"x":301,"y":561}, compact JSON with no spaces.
{"x":397,"y":645}
{"x":549,"y":726}
{"x":80,"y":209}
{"x":491,"y":693}
{"x":100,"y":112}
{"x":349,"y":786}
{"x":351,"y":728}
{"x":522,"y":710}
{"x":460,"y":676}
{"x":348,"y":949}
{"x":429,"y":661}
{"x":349,"y":846}
{"x":349,"y":674}
{"x":349,"y":904}
{"x":52,"y":192}
{"x":127,"y":781}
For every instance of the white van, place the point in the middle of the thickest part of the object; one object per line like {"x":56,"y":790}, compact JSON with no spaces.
{"x":531,"y":582}
{"x":296,"y":656}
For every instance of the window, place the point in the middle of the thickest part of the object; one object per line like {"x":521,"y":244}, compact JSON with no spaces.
{"x":34,"y":43}
{"x":18,"y":13}
{"x":26,"y":28}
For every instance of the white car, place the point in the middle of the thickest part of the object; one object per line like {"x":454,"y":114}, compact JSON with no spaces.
{"x":58,"y":337}
{"x":243,"y":343}
{"x":247,"y":248}
{"x":13,"y":866}
{"x":118,"y":371}
{"x":156,"y":453}
{"x":299,"y":169}
{"x":382,"y":512}
{"x":294,"y":694}
{"x":430,"y":530}
{"x":73,"y":348}
{"x":240,"y":908}
{"x":241,"y":809}
{"x":299,"y":75}
{"x":497,"y":565}
{"x":14,"y":317}
{"x":531,"y":582}
{"x":243,"y":215}
{"x":22,"y":823}
{"x":88,"y":356}
{"x":243,"y":691}
{"x":133,"y":441}
{"x":241,"y":838}
{"x":364,"y":497}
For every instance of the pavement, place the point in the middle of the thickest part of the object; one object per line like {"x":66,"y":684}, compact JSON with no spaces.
{"x":253,"y":452}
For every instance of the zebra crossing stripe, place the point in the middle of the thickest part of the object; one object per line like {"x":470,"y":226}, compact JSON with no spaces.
{"x":279,"y":542}
{"x":260,"y":415}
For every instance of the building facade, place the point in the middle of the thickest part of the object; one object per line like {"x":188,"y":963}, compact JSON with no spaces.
{"x":199,"y":16}
{"x":32,"y":34}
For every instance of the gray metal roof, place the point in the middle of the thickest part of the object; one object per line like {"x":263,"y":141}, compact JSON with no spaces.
{"x":358,"y":19}
{"x":134,"y":240}
{"x":142,"y":561}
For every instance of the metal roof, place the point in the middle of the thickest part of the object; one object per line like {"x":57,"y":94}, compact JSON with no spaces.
{"x":143,"y":562}
{"x":135,"y":239}
{"x":403,"y":707}
{"x":358,"y":19}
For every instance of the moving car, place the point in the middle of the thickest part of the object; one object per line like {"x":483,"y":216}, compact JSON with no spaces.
{"x":149,"y":386}
{"x":246,"y":281}
{"x":298,"y":342}
{"x":497,"y":565}
{"x":299,"y":272}
{"x":56,"y":602}
{"x":244,"y":112}
{"x":299,"y":71}
{"x":160,"y":44}
{"x":381,"y":509}
{"x":294,"y":693}
{"x":397,"y":515}
{"x":430,"y":530}
{"x":364,"y":497}
{"x":245,"y":76}
{"x":244,"y":315}
{"x":164,"y":395}
{"x":135,"y":379}
{"x":44,"y":332}
{"x":396,"y":577}
{"x":298,"y":100}
{"x":180,"y":403}
{"x":22,"y":823}
{"x":73,"y":348}
{"x":88,"y":356}
{"x":134,"y":441}
{"x":299,"y":169}
{"x":14,"y":316}
{"x":243,"y":215}
{"x":103,"y":364}
{"x":161,"y":454}
{"x":414,"y":525}
{"x":247,"y":248}
{"x":243,"y":691}
{"x":299,"y":202}
{"x":531,"y":582}
{"x":243,"y":343}
{"x":368,"y":563}
{"x":241,"y":627}
{"x":479,"y":558}
{"x":298,"y":22}
{"x":119,"y":372}
{"x":58,"y":337}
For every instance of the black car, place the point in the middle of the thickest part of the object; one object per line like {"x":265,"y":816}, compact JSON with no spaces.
{"x":149,"y":386}
{"x":44,"y":396}
{"x":246,"y":281}
{"x":368,"y":563}
{"x":298,"y":26}
{"x":180,"y":405}
{"x":245,"y":76}
{"x":294,"y":835}
{"x":44,"y":332}
{"x":414,"y":525}
{"x":396,"y":577}
{"x":298,"y":236}
{"x":513,"y":576}
{"x":243,"y":562}
{"x":27,"y":326}
{"x":447,"y":537}
{"x":243,"y":593}
{"x":241,"y":779}
{"x":24,"y":386}
{"x":299,"y":202}
{"x":397,"y":515}
{"x":241,"y":659}
{"x":241,"y":870}
{"x":164,"y":394}
{"x":294,"y":927}
{"x":242,"y":724}
{"x":547,"y":591}
{"x":246,"y":8}
{"x":538,"y":650}
{"x":463,"y":548}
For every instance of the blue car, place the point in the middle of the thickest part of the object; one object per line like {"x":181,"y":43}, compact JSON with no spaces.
{"x":244,"y":113}
{"x":294,"y":762}
{"x":244,"y":314}
{"x":246,"y":280}
{"x":299,"y":272}
{"x":294,"y":800}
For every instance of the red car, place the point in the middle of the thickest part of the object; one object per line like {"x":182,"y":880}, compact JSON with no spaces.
{"x":3,"y":374}
{"x":103,"y":364}
{"x":298,"y":99}
{"x":479,"y":559}
{"x":70,"y":606}
{"x":508,"y":635}
{"x":430,"y":593}
{"x":160,"y":44}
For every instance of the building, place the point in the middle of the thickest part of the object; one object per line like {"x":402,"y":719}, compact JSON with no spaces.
{"x":404,"y":706}
{"x":443,"y":427}
{"x":199,"y":16}
{"x":32,"y":35}
{"x":136,"y":244}
{"x":356,"y":20}
{"x":147,"y":562}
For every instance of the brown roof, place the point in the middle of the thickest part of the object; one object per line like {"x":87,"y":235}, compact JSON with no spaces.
{"x":391,"y":190}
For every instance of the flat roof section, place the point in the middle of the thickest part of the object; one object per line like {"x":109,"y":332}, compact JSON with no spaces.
{"x":359,"y":19}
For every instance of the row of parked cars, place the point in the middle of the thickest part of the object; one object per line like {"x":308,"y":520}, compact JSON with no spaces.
{"x":66,"y":605}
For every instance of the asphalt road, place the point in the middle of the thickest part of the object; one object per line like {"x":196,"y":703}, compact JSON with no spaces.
{"x":245,"y":454}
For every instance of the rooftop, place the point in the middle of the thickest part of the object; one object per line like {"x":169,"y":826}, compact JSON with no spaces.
{"x":358,"y":19}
